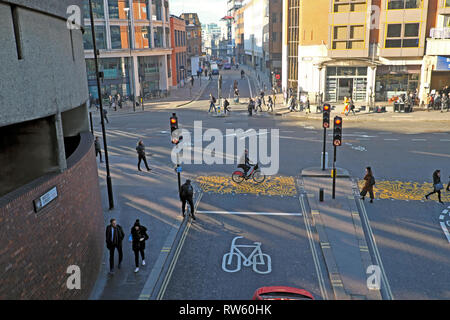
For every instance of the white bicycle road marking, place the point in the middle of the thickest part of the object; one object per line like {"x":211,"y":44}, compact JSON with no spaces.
{"x":255,"y":259}
{"x":253,"y":213}
{"x":445,"y":221}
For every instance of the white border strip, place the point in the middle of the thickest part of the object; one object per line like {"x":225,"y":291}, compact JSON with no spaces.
{"x":253,"y":213}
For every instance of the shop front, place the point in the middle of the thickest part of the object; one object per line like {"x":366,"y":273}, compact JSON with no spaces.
{"x":393,"y":81}
{"x":344,"y":82}
{"x":116,"y":78}
{"x":149,"y":72}
{"x":440,"y":76}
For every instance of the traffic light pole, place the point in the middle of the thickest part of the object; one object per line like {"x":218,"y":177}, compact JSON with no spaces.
{"x":334,"y":174}
{"x":324,"y":147}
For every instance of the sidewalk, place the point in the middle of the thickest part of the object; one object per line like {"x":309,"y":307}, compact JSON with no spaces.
{"x":178,"y":97}
{"x":151,"y":197}
{"x":340,"y":232}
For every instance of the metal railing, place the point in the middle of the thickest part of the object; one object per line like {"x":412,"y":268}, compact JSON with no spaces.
{"x":440,"y":33}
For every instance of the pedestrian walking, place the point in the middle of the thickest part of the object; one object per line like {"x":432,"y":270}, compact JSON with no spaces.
{"x":270,"y":104}
{"x":210,"y":75}
{"x":138,"y":236}
{"x":186,"y":195}
{"x":437,"y":185}
{"x":369,"y":182}
{"x":98,"y":150}
{"x":212,"y":103}
{"x":258,"y":104}
{"x":308,"y":105}
{"x":346,"y":106}
{"x":105,"y":115}
{"x":192,"y":81}
{"x":140,"y":148}
{"x":263,"y":94}
{"x":444,"y":102}
{"x":352,"y":106}
{"x":225,"y":106}
{"x":429,"y":101}
{"x":114,"y":237}
{"x":251,"y":106}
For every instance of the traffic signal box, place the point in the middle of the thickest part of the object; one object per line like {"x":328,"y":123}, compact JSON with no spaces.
{"x":173,"y":127}
{"x":326,"y":115}
{"x":337,"y":131}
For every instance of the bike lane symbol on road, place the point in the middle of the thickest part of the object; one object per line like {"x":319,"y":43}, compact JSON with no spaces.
{"x":232,"y":261}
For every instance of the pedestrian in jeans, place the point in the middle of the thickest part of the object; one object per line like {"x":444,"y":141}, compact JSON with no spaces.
{"x":437,"y":185}
{"x":212,"y":101}
{"x":98,"y":150}
{"x":105,"y":112}
{"x":225,"y":106}
{"x":114,"y":237}
{"x":141,"y":155}
{"x":186,"y":195}
{"x":258,"y":104}
{"x":139,"y":236}
{"x":369,"y":182}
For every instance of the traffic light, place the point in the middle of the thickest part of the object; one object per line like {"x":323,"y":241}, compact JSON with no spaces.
{"x":176,"y":138}
{"x":326,"y":115}
{"x":337,"y":131}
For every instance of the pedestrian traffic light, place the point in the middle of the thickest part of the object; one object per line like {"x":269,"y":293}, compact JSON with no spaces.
{"x":326,"y":115}
{"x":175,"y":133}
{"x":337,"y":131}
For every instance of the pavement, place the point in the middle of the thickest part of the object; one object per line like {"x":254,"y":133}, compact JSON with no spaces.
{"x":341,"y":236}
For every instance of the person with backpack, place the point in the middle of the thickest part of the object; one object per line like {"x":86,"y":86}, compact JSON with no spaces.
{"x":437,"y":185}
{"x":186,"y":195}
{"x":212,"y":101}
{"x":138,"y":236}
{"x":369,"y":182}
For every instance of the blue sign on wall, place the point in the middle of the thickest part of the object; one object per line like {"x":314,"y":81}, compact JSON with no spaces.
{"x":443,"y":63}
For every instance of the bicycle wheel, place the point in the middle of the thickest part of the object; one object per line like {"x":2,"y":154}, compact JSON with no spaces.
{"x":258,"y":177}
{"x":237,"y":176}
{"x":264,"y":261}
{"x":228,"y":261}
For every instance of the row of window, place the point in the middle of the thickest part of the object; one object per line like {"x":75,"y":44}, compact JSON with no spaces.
{"x":180,"y":38}
{"x":118,"y":9}
{"x":360,"y":5}
{"x":120,"y":37}
{"x":397,"y":36}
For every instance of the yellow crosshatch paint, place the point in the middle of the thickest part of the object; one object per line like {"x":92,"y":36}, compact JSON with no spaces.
{"x":273,"y":186}
{"x":399,"y":190}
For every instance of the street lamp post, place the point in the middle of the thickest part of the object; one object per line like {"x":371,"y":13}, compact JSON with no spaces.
{"x":108,"y":175}
{"x":131,"y":59}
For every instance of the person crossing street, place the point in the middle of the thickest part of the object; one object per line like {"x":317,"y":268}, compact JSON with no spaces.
{"x":186,"y":195}
{"x":369,"y":182}
{"x":141,"y":155}
{"x":437,"y":185}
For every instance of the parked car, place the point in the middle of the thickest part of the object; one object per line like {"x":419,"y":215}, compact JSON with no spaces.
{"x":227,"y":66}
{"x":281,"y":293}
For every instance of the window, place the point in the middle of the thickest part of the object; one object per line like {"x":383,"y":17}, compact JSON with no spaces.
{"x":348,"y":37}
{"x":119,"y":37}
{"x":274,"y":36}
{"x":447,"y":3}
{"x":142,"y":35}
{"x":116,"y":9}
{"x":410,"y":38}
{"x":97,"y":9}
{"x":140,"y":10}
{"x":274,"y":18}
{"x":349,"y":5}
{"x":403,"y":4}
{"x":158,"y":37}
{"x":100,"y":37}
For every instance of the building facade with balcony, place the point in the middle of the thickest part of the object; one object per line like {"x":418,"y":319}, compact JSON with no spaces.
{"x":179,"y":58}
{"x":370,"y":50}
{"x":133,"y":39}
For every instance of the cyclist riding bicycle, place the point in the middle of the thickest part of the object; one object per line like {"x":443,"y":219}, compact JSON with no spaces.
{"x":242,"y":74}
{"x":244,"y":163}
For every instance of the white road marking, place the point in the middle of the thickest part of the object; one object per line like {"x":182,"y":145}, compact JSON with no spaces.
{"x":444,"y":140}
{"x":390,"y":139}
{"x":253,"y":213}
{"x":419,"y":139}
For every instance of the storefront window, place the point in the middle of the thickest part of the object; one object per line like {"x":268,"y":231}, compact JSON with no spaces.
{"x":158,"y":37}
{"x":116,"y":76}
{"x":149,"y":72}
{"x":346,"y":71}
{"x":389,"y":84}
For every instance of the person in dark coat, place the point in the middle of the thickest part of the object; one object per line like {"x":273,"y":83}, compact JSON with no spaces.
{"x":141,"y":155}
{"x":225,"y":106}
{"x":114,"y":237}
{"x":186,"y":195}
{"x":139,"y":236}
{"x":369,"y":182}
{"x":98,"y":150}
{"x":251,"y":106}
{"x":437,"y":185}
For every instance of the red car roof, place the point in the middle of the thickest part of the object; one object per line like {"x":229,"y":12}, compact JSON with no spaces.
{"x":275,"y":289}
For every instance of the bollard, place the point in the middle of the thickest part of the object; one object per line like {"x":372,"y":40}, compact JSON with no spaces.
{"x":321,"y":194}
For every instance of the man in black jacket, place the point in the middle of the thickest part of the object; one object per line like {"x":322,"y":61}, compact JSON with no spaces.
{"x":186,"y":194}
{"x":114,"y":237}
{"x":141,"y":155}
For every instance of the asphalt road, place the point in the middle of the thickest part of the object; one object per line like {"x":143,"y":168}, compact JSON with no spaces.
{"x":412,"y":245}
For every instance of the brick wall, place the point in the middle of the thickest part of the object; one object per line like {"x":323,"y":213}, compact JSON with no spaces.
{"x":37,"y":248}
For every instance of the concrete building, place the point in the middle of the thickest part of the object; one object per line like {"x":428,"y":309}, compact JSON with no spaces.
{"x":51,"y":215}
{"x":142,"y":68}
{"x":367,"y":49}
{"x":211,"y":35}
{"x":179,"y":58}
{"x":194,"y":37}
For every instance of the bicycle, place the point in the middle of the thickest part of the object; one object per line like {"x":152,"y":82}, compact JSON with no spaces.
{"x":255,"y":174}
{"x":255,"y":258}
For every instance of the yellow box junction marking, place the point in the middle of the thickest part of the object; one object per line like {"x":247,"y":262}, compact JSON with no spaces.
{"x":272,"y":186}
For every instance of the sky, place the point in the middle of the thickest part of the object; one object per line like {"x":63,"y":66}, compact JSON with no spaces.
{"x":209,"y":11}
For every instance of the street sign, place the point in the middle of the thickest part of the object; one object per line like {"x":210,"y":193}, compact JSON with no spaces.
{"x":179,"y":169}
